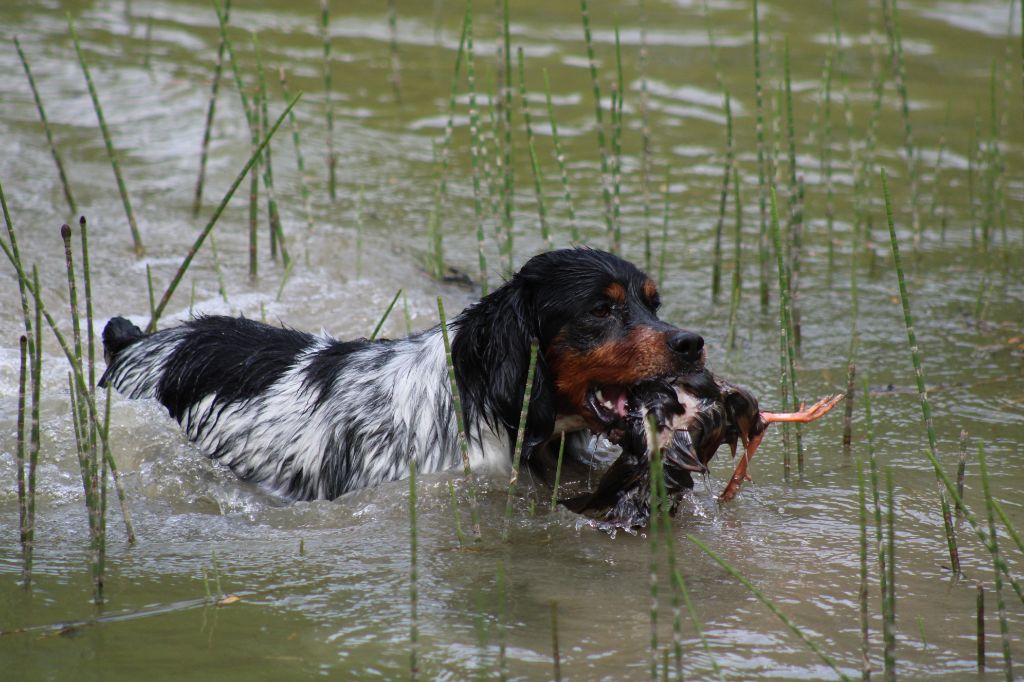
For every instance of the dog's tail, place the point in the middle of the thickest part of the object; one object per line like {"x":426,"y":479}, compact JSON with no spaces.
{"x":117,"y":335}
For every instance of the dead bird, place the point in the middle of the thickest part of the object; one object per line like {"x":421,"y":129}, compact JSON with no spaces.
{"x":694,"y":414}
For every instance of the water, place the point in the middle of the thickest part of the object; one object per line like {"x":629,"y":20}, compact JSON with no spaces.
{"x":324,"y":585}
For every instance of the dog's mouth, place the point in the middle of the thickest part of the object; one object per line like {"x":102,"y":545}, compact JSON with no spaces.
{"x":608,"y":404}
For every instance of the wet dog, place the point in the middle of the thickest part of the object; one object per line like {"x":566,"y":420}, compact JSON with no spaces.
{"x":311,"y":417}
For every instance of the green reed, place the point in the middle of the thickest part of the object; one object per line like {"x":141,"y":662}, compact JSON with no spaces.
{"x":1010,"y":528}
{"x":519,"y":447}
{"x":790,"y":625}
{"x":474,"y":148}
{"x":332,"y":159}
{"x":787,"y":360}
{"x":980,"y":626}
{"x":762,"y":243}
{"x":508,"y":171}
{"x":502,"y":620}
{"x":28,"y":528}
{"x":16,"y":256}
{"x":890,"y":15}
{"x":46,"y":129}
{"x":737,"y":266}
{"x":300,"y":162}
{"x":413,"y":597}
{"x":664,"y":227}
{"x":149,"y":291}
{"x":889,"y":653}
{"x":602,"y":146}
{"x":574,"y":233}
{"x":558,"y":472}
{"x":384,"y":317}
{"x":998,"y":577}
{"x":862,"y":592}
{"x":645,"y":138}
{"x":111,"y":153}
{"x":396,"y":65}
{"x":20,"y":453}
{"x":556,"y":658}
{"x":679,"y":588}
{"x":915,"y":353}
{"x":277,"y":238}
{"x":655,"y":501}
{"x":457,"y":514}
{"x":211,"y":109}
{"x":538,"y":180}
{"x":618,"y":95}
{"x":460,"y":423}
{"x":436,"y":222}
{"x":197,"y":244}
{"x":716,"y":262}
{"x":254,"y":197}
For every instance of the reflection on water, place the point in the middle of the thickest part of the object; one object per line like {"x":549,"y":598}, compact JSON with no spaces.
{"x":324,"y":586}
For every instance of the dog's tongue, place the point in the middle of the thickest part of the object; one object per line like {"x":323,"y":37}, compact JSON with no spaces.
{"x":618,"y":397}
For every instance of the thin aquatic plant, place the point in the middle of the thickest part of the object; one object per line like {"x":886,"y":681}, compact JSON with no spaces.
{"x":460,"y":423}
{"x":183,"y":268}
{"x":889,"y":652}
{"x":520,"y":444}
{"x":862,"y":592}
{"x":332,"y":159}
{"x":602,"y":146}
{"x":46,"y":129}
{"x":762,"y":188}
{"x":413,"y":597}
{"x":384,"y":317}
{"x":300,"y":161}
{"x":211,"y":109}
{"x":998,"y":576}
{"x":737,"y":271}
{"x":915,"y":353}
{"x":790,"y":625}
{"x":111,"y":153}
{"x":396,"y":65}
{"x":436,"y":246}
{"x":574,"y":233}
{"x":558,"y":472}
{"x":538,"y":180}
{"x":474,"y":148}
{"x":716,"y":261}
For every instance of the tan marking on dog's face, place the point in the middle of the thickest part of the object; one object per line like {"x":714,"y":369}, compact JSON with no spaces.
{"x":640,"y":355}
{"x":616,"y":292}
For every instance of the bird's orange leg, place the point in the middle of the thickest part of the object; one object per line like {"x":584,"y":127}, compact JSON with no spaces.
{"x":803,"y":416}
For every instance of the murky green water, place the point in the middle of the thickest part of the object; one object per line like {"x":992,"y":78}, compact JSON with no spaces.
{"x":339,"y":607}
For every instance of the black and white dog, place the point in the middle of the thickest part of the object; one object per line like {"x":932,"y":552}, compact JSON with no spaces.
{"x":313,"y":418}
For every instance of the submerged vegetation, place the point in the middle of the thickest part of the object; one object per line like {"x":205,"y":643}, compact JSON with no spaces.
{"x":508,"y":178}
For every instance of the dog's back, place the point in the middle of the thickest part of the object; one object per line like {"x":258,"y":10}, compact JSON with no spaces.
{"x":308,"y":416}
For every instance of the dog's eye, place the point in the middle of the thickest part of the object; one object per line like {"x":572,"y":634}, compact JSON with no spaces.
{"x":655,"y":303}
{"x":603,"y":309}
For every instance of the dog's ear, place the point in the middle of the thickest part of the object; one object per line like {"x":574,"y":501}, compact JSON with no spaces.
{"x":491,"y":355}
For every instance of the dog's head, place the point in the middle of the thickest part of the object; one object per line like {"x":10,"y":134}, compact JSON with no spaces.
{"x":598,"y":327}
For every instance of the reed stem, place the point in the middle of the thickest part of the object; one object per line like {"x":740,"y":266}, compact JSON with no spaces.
{"x":890,"y":597}
{"x":49,"y":134}
{"x":384,"y":317}
{"x":762,"y":189}
{"x":998,"y":577}
{"x":211,"y":109}
{"x":602,"y":146}
{"x":862,"y":518}
{"x":716,"y":263}
{"x":300,"y":161}
{"x":574,"y":232}
{"x":460,"y":423}
{"x":413,"y":620}
{"x":332,"y":160}
{"x":519,"y":447}
{"x":176,"y":280}
{"x":558,"y":472}
{"x":811,"y":644}
{"x":111,"y":153}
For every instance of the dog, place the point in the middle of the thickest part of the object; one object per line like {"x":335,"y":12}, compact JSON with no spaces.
{"x":310,"y":417}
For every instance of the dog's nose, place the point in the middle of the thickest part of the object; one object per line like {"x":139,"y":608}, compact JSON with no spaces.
{"x":687,"y":344}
